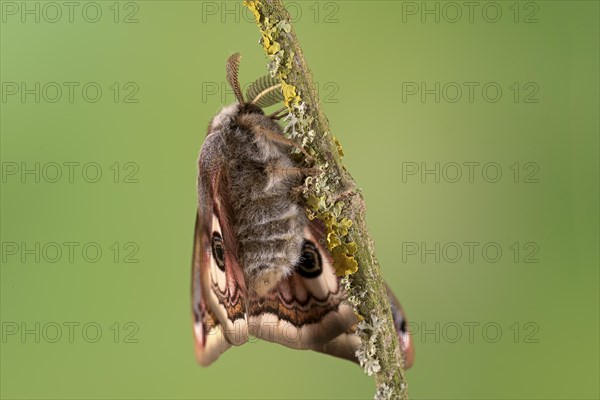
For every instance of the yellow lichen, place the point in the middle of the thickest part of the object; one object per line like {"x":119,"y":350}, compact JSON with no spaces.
{"x":274,"y":48}
{"x":339,"y":146}
{"x":253,"y":6}
{"x":337,"y":230}
{"x":312,"y":202}
{"x":289,"y":94}
{"x":344,"y":263}
{"x":266,"y":42}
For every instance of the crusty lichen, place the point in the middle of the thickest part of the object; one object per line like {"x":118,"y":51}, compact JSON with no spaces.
{"x":384,"y":392}
{"x":367,"y":349}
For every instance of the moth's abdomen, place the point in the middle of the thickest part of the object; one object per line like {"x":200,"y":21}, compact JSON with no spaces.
{"x":270,"y":234}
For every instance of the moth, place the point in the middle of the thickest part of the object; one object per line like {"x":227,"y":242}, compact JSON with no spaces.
{"x":260,"y":267}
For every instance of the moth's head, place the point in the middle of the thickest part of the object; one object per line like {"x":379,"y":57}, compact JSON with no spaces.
{"x":250,"y":108}
{"x":230,"y":113}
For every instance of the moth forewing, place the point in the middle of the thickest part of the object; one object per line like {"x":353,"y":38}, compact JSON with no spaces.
{"x":209,"y":339}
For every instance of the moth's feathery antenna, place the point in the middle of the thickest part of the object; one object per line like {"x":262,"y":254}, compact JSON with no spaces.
{"x":233,"y":64}
{"x":265,"y":92}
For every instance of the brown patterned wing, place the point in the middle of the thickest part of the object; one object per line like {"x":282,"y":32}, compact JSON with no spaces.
{"x":218,"y":287}
{"x":308,"y":308}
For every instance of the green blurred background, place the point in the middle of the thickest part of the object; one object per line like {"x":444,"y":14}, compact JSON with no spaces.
{"x":522,"y":327}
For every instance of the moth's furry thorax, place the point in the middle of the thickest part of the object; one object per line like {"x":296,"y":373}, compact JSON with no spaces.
{"x":258,"y":176}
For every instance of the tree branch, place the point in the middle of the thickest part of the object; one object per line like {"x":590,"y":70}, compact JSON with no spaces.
{"x":333,"y":197}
